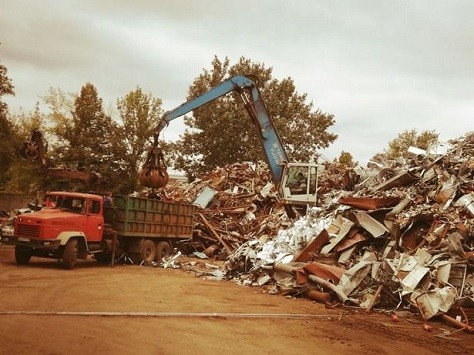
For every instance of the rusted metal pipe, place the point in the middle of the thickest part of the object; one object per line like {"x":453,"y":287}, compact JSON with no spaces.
{"x":285,"y":268}
{"x":333,"y":288}
{"x":318,"y":296}
{"x":208,"y":225}
{"x":170,"y":314}
{"x":458,"y":324}
{"x":291,"y":270}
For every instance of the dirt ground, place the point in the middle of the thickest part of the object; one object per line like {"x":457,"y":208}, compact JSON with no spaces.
{"x":129,"y":309}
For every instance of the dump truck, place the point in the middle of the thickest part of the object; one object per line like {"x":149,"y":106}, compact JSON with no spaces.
{"x":74,"y":225}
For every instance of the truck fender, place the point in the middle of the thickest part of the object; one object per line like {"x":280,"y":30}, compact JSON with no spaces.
{"x":81,"y":241}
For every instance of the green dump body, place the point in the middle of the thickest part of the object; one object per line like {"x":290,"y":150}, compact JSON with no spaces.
{"x":151,"y":218}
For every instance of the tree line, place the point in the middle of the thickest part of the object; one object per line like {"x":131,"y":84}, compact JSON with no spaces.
{"x":82,"y":136}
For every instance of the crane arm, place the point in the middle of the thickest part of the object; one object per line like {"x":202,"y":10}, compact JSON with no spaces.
{"x":274,"y":151}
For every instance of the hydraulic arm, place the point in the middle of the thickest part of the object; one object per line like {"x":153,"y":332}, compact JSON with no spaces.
{"x":284,"y":174}
{"x":248,"y":90}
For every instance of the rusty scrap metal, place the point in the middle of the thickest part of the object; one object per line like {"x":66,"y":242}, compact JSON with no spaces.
{"x":74,"y":175}
{"x":318,"y":296}
{"x":417,"y":211}
{"x":466,"y":327}
{"x":383,"y":220}
{"x":221,"y":240}
{"x":368,"y":203}
{"x":313,"y":247}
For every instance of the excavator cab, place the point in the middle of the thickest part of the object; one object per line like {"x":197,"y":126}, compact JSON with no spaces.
{"x":300,"y":184}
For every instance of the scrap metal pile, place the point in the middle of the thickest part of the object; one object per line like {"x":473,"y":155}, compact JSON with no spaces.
{"x":238,"y":203}
{"x":397,"y":235}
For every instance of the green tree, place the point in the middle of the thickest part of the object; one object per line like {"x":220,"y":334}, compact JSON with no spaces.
{"x":347,"y":159}
{"x":8,"y":134}
{"x":221,"y":132}
{"x":61,"y":107}
{"x":26,"y":122}
{"x":92,"y":140}
{"x":139,"y":113}
{"x":6,"y":88}
{"x":24,"y":175}
{"x":398,"y":147}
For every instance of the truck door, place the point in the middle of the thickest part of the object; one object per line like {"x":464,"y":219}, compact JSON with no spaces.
{"x":95,"y":221}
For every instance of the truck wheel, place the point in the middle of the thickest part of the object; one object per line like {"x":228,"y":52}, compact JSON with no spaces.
{"x":148,"y":251}
{"x":70,"y":254}
{"x":22,"y":255}
{"x":163,"y":249}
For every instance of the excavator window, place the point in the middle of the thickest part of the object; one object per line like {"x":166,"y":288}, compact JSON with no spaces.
{"x":297,"y":182}
{"x":313,"y":178}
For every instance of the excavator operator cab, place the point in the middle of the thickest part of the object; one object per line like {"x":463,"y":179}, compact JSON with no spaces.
{"x":299,"y":183}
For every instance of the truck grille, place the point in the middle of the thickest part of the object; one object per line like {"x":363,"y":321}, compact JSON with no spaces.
{"x":26,"y":230}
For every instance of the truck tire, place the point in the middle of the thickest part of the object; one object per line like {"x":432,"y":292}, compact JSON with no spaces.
{"x":148,"y":251}
{"x":22,"y":255}
{"x":142,"y":250}
{"x":70,"y":254}
{"x":163,"y":249}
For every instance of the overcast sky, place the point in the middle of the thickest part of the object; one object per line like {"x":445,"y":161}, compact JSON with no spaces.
{"x":381,"y":67}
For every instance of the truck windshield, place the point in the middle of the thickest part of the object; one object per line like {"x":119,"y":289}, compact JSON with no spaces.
{"x":66,"y":203}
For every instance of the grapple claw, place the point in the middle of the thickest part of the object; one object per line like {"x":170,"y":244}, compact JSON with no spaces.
{"x":154,"y":174}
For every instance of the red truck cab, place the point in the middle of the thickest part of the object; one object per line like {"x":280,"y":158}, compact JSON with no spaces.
{"x":69,"y":226}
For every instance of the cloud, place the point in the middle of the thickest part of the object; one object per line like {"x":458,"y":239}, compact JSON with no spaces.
{"x":381,"y":67}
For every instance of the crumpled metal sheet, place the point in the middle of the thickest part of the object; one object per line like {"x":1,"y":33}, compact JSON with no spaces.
{"x":435,"y":301}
